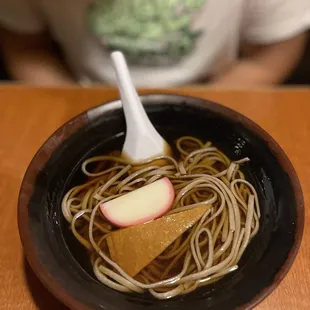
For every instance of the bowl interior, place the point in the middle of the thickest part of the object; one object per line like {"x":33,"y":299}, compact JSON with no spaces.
{"x":67,"y":262}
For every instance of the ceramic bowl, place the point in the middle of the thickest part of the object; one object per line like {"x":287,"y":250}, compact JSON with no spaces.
{"x":63,"y":265}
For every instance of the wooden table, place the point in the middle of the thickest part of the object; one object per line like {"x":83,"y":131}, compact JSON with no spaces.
{"x":28,"y":116}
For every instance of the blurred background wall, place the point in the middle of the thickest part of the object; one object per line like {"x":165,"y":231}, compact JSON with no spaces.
{"x":302,"y":73}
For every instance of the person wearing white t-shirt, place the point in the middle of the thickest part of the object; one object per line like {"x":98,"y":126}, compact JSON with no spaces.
{"x":235,"y":43}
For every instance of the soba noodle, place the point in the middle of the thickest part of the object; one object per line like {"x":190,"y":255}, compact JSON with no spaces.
{"x":208,"y":251}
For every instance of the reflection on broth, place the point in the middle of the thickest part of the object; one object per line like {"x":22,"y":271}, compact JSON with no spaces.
{"x":200,"y":237}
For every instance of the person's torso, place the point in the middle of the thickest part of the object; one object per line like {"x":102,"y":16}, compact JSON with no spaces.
{"x":166,"y":42}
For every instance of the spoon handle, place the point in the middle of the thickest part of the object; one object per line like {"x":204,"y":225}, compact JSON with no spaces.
{"x":135,"y":115}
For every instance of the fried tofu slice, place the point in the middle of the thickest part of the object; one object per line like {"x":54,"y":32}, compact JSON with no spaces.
{"x":133,"y":248}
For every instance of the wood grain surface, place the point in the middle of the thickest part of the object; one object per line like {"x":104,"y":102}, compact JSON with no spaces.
{"x":28,"y":116}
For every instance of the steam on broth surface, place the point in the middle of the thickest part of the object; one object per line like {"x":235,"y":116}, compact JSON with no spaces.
{"x":212,"y":197}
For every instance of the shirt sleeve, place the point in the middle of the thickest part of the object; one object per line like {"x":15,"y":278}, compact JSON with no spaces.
{"x":268,"y":21}
{"x":22,"y":16}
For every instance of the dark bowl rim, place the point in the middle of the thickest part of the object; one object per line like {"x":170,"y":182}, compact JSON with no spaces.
{"x":61,"y":294}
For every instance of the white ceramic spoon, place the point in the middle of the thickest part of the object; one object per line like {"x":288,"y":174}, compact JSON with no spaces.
{"x":142,"y":140}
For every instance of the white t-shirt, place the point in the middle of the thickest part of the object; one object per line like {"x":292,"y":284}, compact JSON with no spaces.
{"x":166,"y":42}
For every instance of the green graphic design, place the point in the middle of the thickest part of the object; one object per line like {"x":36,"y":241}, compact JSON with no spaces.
{"x":149,"y":32}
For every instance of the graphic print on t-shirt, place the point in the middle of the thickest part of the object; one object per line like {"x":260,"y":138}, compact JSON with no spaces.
{"x":148,"y":32}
